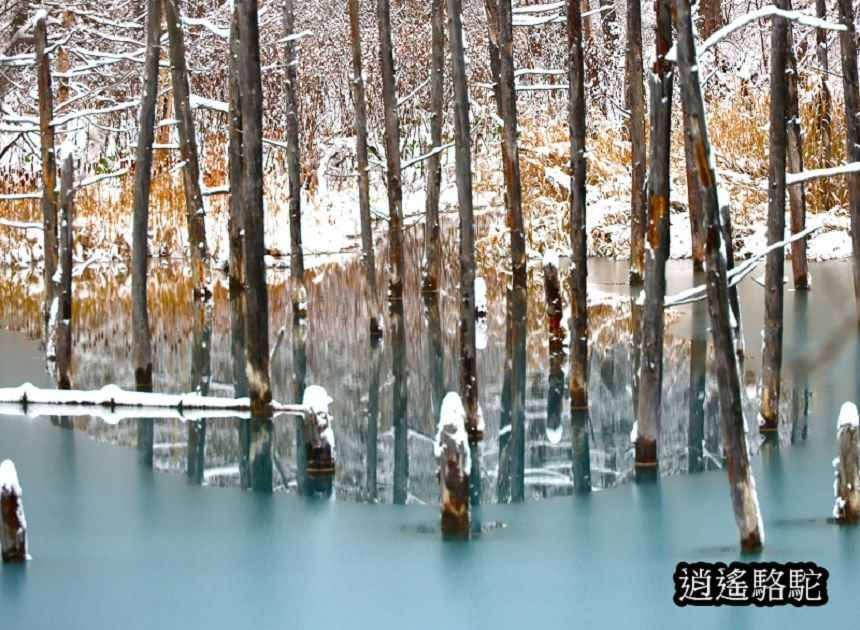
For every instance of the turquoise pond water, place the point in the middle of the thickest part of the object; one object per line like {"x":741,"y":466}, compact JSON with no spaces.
{"x":118,"y":544}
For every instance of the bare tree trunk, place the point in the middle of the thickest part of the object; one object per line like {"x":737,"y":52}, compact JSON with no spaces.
{"x":824,"y":101}
{"x":712,"y":17}
{"x":773,"y":322}
{"x":141,"y":343}
{"x":554,"y":305}
{"x":698,"y":370}
{"x":491,"y":8}
{"x":256,"y":291}
{"x":298,"y":292}
{"x":63,"y":63}
{"x":693,"y":202}
{"x":848,"y":46}
{"x":63,"y":289}
{"x":651,"y":383}
{"x":49,"y":168}
{"x":462,"y":131}
{"x":195,"y":211}
{"x":734,"y":302}
{"x":368,"y":257}
{"x":372,"y":423}
{"x":635,"y":94}
{"x":741,"y":483}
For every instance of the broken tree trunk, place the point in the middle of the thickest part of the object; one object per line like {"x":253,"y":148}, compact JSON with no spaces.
{"x":319,"y":437}
{"x":741,"y":482}
{"x":454,"y":457}
{"x":13,"y":523}
{"x":63,"y":289}
{"x":298,"y":292}
{"x":141,"y":342}
{"x":368,"y":258}
{"x":775,"y":265}
{"x":848,"y":45}
{"x":463,"y":154}
{"x":256,"y":292}
{"x":49,"y":167}
{"x":635,"y":96}
{"x":656,"y":250}
{"x":195,"y":211}
{"x":847,"y":487}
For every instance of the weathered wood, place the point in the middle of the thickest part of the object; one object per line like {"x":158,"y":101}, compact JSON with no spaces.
{"x":851,"y":97}
{"x":261,"y":435}
{"x":13,"y":522}
{"x":656,"y":250}
{"x":824,"y":99}
{"x":463,"y":157}
{"x":454,"y":456}
{"x":847,"y":487}
{"x":318,"y":434}
{"x":635,"y":97}
{"x":141,"y":342}
{"x":195,"y":210}
{"x":693,"y":202}
{"x":491,"y":9}
{"x":581,"y":456}
{"x":741,"y":483}
{"x":49,"y":166}
{"x":734,"y":302}
{"x":298,"y":292}
{"x":370,"y":491}
{"x":554,"y":305}
{"x":698,"y":369}
{"x":775,"y":265}
{"x":368,"y":258}
{"x":63,"y":288}
{"x":435,"y":351}
{"x":256,"y":291}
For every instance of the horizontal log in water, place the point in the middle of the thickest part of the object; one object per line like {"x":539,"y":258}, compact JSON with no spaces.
{"x":13,"y":523}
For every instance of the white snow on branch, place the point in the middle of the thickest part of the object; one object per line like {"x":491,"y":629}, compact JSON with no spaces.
{"x":295,"y":37}
{"x":411,"y":95}
{"x":804,"y":176}
{"x":537,"y":8}
{"x":199,"y":102}
{"x":223,"y":33}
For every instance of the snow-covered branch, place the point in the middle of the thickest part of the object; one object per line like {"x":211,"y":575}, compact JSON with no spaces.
{"x":20,"y":225}
{"x":804,"y":176}
{"x":223,"y":33}
{"x":427,"y":155}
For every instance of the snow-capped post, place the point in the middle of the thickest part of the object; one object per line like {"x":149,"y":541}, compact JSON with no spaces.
{"x":318,"y":434}
{"x":141,"y":342}
{"x":847,"y":484}
{"x":554,"y":305}
{"x":62,"y":315}
{"x":256,"y":292}
{"x":797,"y":192}
{"x":298,"y":292}
{"x":771,"y":367}
{"x":432,"y":270}
{"x":463,"y":156}
{"x":195,"y":211}
{"x":634,"y":93}
{"x":13,"y":523}
{"x":851,"y":91}
{"x":368,"y":258}
{"x":49,"y":166}
{"x":656,"y":248}
{"x":733,"y":425}
{"x":454,"y":457}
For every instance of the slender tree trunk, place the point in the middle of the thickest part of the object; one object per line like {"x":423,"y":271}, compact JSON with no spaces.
{"x":698,"y":370}
{"x":554,"y":305}
{"x":201,"y":345}
{"x":693,"y":201}
{"x":195,"y":211}
{"x":651,"y":383}
{"x":49,"y":168}
{"x":712,"y":17}
{"x":368,"y":258}
{"x":741,"y":483}
{"x":848,"y":46}
{"x":824,"y":118}
{"x":256,"y":291}
{"x":63,"y":289}
{"x":635,"y":95}
{"x":773,"y":321}
{"x":298,"y":293}
{"x":63,"y":63}
{"x":491,"y":8}
{"x":373,"y":423}
{"x":462,"y":131}
{"x":797,"y":192}
{"x":141,"y":342}
{"x":734,"y":302}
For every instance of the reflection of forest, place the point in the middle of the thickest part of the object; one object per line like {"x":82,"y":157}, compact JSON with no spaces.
{"x":339,"y":357}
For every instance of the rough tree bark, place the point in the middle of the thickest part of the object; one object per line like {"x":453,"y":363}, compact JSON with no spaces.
{"x":712,"y":17}
{"x":741,"y":482}
{"x":635,"y":96}
{"x":368,"y":258}
{"x":698,"y":369}
{"x":693,"y":202}
{"x":63,"y":288}
{"x":141,"y":342}
{"x":775,"y":266}
{"x":298,"y":292}
{"x":824,"y":99}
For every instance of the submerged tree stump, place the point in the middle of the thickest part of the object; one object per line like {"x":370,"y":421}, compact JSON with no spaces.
{"x":319,"y":437}
{"x":454,"y":456}
{"x":847,"y":485}
{"x":554,"y":305}
{"x":13,"y":523}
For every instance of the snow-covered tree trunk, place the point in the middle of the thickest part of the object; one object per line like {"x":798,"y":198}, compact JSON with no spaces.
{"x":49,"y":166}
{"x":656,"y":248}
{"x":256,"y":291}
{"x":63,"y":288}
{"x":454,"y":457}
{"x":368,"y":258}
{"x":13,"y":523}
{"x":195,"y":211}
{"x":851,"y":90}
{"x":847,"y":485}
{"x":635,"y":97}
{"x":298,"y":292}
{"x":318,"y":435}
{"x":432,"y":270}
{"x":741,"y":482}
{"x":141,"y":342}
{"x":775,"y":265}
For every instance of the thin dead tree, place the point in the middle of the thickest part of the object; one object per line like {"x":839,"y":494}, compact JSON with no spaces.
{"x":368,"y":258}
{"x":635,"y":97}
{"x":823,"y":98}
{"x":741,"y":482}
{"x":195,"y":210}
{"x":298,"y":292}
{"x":693,"y":202}
{"x":656,"y":250}
{"x":141,"y":342}
{"x":63,"y":289}
{"x":775,"y":265}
